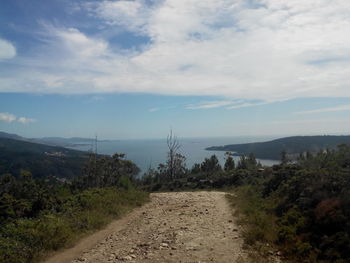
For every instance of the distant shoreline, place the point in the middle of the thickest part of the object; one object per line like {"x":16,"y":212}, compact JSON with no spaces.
{"x":292,"y":146}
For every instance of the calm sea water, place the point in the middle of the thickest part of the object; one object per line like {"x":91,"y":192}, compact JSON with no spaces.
{"x":151,"y":152}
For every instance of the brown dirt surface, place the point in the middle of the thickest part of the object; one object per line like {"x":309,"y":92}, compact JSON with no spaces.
{"x":173,"y":227}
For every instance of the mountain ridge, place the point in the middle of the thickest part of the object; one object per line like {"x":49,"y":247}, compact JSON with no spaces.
{"x":53,"y":141}
{"x":293,"y":146}
{"x":40,"y":159}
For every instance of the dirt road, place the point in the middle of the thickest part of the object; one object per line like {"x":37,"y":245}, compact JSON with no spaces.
{"x":173,"y":227}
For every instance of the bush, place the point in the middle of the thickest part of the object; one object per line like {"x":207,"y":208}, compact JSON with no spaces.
{"x":254,"y":215}
{"x":26,"y":240}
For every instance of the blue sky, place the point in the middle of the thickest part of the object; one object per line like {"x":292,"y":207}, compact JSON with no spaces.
{"x":133,"y":69}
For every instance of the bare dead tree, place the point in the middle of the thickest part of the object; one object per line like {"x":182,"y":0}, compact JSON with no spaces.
{"x":173,"y":146}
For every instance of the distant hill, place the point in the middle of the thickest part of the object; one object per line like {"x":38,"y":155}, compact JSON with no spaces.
{"x":42,"y":160}
{"x":10,"y":136}
{"x":292,"y":145}
{"x":64,"y":142}
{"x":54,"y":141}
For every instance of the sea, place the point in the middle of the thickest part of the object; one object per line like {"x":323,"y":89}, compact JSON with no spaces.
{"x":148,"y":153}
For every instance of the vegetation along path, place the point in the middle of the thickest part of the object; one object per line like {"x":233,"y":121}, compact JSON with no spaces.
{"x":173,"y":227}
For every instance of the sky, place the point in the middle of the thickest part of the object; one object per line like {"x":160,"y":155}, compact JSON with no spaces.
{"x":204,"y":68}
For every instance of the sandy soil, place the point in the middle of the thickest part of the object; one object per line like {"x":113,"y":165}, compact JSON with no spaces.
{"x":173,"y":227}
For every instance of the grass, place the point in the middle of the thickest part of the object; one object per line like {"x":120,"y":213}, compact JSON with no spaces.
{"x":258,"y":224}
{"x":28,"y":240}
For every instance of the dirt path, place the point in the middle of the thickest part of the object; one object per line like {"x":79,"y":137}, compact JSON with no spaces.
{"x":173,"y":227}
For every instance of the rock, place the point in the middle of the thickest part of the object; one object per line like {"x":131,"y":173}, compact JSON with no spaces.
{"x":164,"y":245}
{"x":127,"y":258}
{"x":144,"y":245}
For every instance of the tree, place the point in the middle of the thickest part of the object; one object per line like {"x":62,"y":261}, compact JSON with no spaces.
{"x":196,"y":168}
{"x":247,"y":162}
{"x":229,"y":162}
{"x":179,"y":166}
{"x":211,"y":165}
{"x":26,"y":175}
{"x":105,"y":171}
{"x":173,"y":146}
{"x":149,"y":177}
{"x":252,"y":161}
{"x":242,"y":163}
{"x":284,"y":158}
{"x":162,"y":173}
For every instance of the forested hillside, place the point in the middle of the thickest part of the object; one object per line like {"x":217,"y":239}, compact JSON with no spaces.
{"x":6,"y":135}
{"x":293,"y":146}
{"x":41,"y":160}
{"x":38,"y":215}
{"x":52,"y":141}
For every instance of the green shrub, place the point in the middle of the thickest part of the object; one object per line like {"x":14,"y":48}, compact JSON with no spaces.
{"x":125,"y":183}
{"x":26,"y":240}
{"x":253,"y":213}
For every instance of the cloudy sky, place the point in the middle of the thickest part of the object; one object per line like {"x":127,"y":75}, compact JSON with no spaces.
{"x":133,"y":69}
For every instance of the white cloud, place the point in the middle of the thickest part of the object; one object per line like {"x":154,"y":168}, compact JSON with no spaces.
{"x":292,"y":127}
{"x":209,"y":105}
{"x":80,"y":44}
{"x":153,"y":109}
{"x":7,"y":50}
{"x":132,"y":15}
{"x":25,"y":120}
{"x":275,"y":50}
{"x":7,"y":117}
{"x":73,"y":43}
{"x":231,"y":104}
{"x":330,"y":109}
{"x":246,"y":105}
